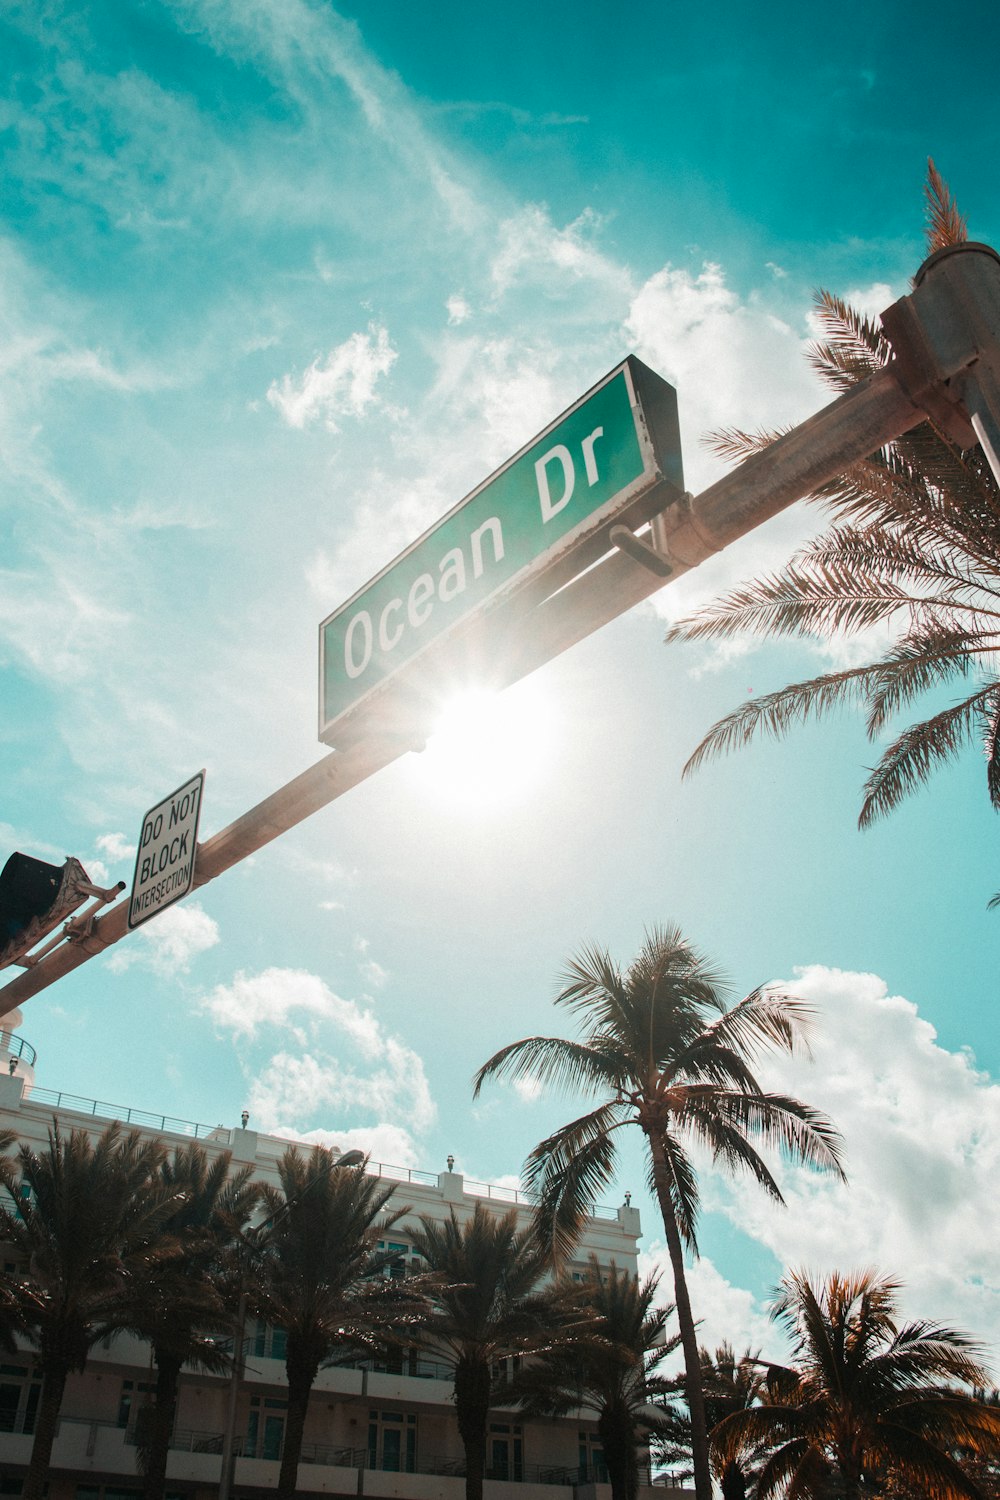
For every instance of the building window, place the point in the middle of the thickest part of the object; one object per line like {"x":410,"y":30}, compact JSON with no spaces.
{"x":113,"y":1492}
{"x":392,"y":1441}
{"x":127,"y":1401}
{"x":266,"y":1428}
{"x":395,"y":1269}
{"x":593,"y":1467}
{"x":268,"y":1343}
{"x":506,"y":1452}
{"x":19,"y":1393}
{"x":505,"y":1369}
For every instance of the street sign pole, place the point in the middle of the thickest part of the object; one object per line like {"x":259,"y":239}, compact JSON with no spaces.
{"x":951,"y":377}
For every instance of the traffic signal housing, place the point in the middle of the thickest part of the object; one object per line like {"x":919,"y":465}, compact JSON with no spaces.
{"x":34,"y":898}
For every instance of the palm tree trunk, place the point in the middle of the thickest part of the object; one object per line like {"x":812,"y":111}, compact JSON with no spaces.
{"x":49,"y":1407}
{"x":733,"y":1482}
{"x":168,"y":1369}
{"x":472,"y":1407}
{"x":685,"y":1322}
{"x":618,"y":1441}
{"x":300,"y":1384}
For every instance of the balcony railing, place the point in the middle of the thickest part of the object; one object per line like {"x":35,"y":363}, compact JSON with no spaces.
{"x":418,"y":1368}
{"x":331,"y":1455}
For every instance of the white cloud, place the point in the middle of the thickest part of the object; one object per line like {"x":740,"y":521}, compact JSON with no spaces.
{"x":275,"y":996}
{"x":116,"y":846}
{"x":871,"y":301}
{"x":734,"y":363}
{"x":341,"y":385}
{"x":294,"y":1087}
{"x":458,"y":309}
{"x":290,"y":1088}
{"x":725,"y":1313}
{"x":922,"y":1133}
{"x":387,"y":1145}
{"x":168,"y":944}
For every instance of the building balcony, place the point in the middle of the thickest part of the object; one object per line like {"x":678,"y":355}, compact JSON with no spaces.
{"x":102,"y":1448}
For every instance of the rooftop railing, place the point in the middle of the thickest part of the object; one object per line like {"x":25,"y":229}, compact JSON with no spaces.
{"x":16,"y":1046}
{"x":194,"y":1130}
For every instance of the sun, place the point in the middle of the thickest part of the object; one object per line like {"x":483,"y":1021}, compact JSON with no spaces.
{"x":488,"y":750}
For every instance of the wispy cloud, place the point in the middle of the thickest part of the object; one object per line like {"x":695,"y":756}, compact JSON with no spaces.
{"x":169,"y":944}
{"x":342,"y":384}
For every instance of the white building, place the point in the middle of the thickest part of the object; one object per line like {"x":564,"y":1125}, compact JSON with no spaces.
{"x":387,"y":1431}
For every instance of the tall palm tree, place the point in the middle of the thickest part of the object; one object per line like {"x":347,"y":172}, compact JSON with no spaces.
{"x":89,"y":1223}
{"x":319,"y":1277}
{"x":486,"y":1306}
{"x":664,"y":1053}
{"x":916,"y":540}
{"x":865,"y":1401}
{"x":178,"y":1305}
{"x":610,"y":1361}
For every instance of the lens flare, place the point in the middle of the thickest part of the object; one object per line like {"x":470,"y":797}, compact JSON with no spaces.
{"x":489,"y":749}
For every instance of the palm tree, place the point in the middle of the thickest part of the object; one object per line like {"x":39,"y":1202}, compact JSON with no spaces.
{"x":609,"y":1360}
{"x":731,"y":1385}
{"x":319,"y":1278}
{"x":486,"y":1307}
{"x":664,"y":1053}
{"x":88,"y":1224}
{"x":178,"y":1305}
{"x":917,"y":539}
{"x":865,"y":1401}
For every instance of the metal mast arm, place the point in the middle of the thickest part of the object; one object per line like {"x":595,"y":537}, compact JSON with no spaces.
{"x":946,"y":338}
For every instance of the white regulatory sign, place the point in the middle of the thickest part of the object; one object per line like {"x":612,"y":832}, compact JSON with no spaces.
{"x":164,"y":864}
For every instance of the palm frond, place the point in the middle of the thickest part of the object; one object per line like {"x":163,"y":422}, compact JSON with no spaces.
{"x":991,"y":745}
{"x":774,"y":713}
{"x":922,"y":556}
{"x":794,"y":1128}
{"x":765,"y":1019}
{"x":929,"y":654}
{"x":854,"y":347}
{"x":911,"y":758}
{"x":567,"y":1171}
{"x":945,"y":225}
{"x":553,"y":1061}
{"x":812,"y":600}
{"x":736,"y":443}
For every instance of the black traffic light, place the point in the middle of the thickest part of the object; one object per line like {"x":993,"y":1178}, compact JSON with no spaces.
{"x":28,"y":888}
{"x":34,"y":898}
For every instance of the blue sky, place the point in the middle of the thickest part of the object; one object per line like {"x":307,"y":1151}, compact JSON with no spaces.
{"x":280,"y":283}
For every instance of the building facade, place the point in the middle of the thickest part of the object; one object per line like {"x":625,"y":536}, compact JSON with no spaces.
{"x":385,"y":1429}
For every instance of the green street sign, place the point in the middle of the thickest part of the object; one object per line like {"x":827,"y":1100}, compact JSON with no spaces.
{"x":538,"y":519}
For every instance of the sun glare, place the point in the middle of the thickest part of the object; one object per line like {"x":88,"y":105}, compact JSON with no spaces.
{"x":489,"y":749}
